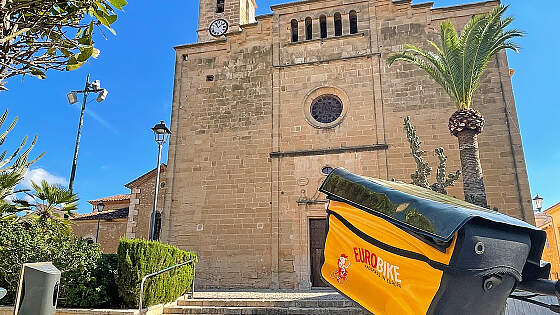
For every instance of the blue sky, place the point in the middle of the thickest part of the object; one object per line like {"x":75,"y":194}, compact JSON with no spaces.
{"x":137,"y":68}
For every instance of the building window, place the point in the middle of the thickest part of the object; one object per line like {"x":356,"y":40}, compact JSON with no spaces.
{"x":220,"y":6}
{"x":353,"y":16}
{"x":295,"y":35}
{"x":323,"y":24}
{"x":326,"y":108}
{"x":308,"y":28}
{"x":337,"y":24}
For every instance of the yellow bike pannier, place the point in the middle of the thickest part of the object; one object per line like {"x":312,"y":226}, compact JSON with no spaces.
{"x":396,"y":248}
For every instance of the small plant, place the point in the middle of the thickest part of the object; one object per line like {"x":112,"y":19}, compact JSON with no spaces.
{"x":423,"y":169}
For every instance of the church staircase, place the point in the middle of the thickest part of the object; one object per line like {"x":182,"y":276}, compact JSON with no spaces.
{"x":269,"y":303}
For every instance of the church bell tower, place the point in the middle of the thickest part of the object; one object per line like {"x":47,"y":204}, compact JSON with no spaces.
{"x":219,"y":17}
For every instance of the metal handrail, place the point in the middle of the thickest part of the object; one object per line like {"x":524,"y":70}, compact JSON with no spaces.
{"x":192,"y":261}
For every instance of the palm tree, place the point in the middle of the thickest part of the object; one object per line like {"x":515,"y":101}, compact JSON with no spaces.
{"x":50,"y":202}
{"x":457,"y":65}
{"x":13,"y":168}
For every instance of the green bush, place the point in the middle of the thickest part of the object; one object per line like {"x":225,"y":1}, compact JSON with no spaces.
{"x":47,"y":240}
{"x":137,"y":258}
{"x":105,"y":275}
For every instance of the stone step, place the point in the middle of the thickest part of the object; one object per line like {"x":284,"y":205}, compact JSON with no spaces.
{"x":175,"y":310}
{"x":302,"y":303}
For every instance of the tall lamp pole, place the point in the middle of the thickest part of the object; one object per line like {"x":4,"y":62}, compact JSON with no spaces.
{"x":90,"y":87}
{"x":161,"y":133}
{"x":100,"y":207}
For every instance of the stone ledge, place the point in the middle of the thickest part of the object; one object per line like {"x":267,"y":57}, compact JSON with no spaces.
{"x":9,"y":310}
{"x":326,"y":151}
{"x":324,"y":39}
{"x":152,"y":310}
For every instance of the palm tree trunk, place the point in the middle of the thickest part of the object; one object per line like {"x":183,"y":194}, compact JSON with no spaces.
{"x":473,"y":181}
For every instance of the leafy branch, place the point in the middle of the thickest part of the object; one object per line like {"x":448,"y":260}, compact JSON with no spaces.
{"x":41,"y":35}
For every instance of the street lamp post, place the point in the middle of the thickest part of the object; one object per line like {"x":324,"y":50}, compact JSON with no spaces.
{"x":100,"y":207}
{"x":161,"y":133}
{"x":90,"y":87}
{"x":538,"y":202}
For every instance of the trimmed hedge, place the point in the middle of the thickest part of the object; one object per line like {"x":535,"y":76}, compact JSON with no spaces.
{"x":137,"y":258}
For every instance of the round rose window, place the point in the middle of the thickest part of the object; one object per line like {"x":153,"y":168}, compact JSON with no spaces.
{"x":326,"y":108}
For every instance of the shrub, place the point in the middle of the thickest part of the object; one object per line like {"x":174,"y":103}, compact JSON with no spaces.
{"x":137,"y":258}
{"x":105,"y":275}
{"x":49,"y":240}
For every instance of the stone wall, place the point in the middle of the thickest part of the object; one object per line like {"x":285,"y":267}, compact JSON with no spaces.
{"x":110,"y":232}
{"x":152,"y":310}
{"x":142,"y":205}
{"x":218,"y":201}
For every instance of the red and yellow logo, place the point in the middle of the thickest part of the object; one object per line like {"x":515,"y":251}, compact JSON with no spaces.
{"x":342,"y":273}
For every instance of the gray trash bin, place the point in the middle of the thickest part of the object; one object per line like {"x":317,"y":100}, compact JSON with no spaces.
{"x":38,"y":289}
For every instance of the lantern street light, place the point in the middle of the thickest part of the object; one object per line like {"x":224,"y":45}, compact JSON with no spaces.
{"x":538,"y":202}
{"x":100,"y":207}
{"x":161,"y":133}
{"x":91,"y":87}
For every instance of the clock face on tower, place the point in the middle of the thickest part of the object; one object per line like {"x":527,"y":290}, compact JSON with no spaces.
{"x":218,"y":27}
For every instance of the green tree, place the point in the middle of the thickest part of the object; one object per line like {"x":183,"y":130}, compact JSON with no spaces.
{"x":458,"y":65}
{"x":36,"y":36}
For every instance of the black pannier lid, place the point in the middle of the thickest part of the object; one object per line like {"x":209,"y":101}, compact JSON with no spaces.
{"x":418,"y":210}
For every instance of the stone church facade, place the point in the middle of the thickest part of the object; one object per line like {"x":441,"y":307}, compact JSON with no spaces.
{"x":262,"y":113}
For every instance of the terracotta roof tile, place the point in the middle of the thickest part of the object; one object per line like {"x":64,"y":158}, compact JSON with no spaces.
{"x":105,"y":215}
{"x":121,"y":197}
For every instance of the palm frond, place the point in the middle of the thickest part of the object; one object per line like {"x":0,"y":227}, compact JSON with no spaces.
{"x":13,"y":168}
{"x":53,"y":201}
{"x":427,"y":61}
{"x":458,"y":64}
{"x":12,"y":125}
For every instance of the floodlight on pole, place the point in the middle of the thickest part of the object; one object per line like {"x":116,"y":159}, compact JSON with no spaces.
{"x":161,"y":133}
{"x":90,"y":87}
{"x":102,"y":95}
{"x":72,"y":97}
